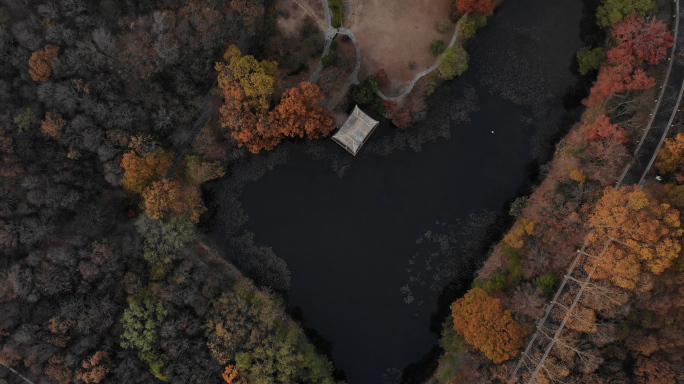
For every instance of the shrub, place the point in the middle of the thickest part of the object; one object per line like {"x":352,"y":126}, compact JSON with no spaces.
{"x":443,"y":27}
{"x":437,"y":47}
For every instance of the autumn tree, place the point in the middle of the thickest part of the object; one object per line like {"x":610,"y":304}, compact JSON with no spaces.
{"x":40,"y":63}
{"x":196,"y":171}
{"x":613,"y":11}
{"x":298,"y":113}
{"x":244,"y":77}
{"x":671,"y":155}
{"x":645,"y":237}
{"x":616,"y":79}
{"x":94,"y":368}
{"x":141,"y":170}
{"x":481,"y":6}
{"x":171,"y":198}
{"x":640,"y":40}
{"x":453,"y":62}
{"x":654,"y":370}
{"x":602,"y":129}
{"x":230,"y":374}
{"x":52,"y":124}
{"x":485,"y":325}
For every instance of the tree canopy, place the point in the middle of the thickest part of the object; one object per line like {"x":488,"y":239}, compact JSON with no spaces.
{"x":484,"y":324}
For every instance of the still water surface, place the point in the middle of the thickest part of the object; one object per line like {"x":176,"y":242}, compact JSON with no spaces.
{"x":347,"y":240}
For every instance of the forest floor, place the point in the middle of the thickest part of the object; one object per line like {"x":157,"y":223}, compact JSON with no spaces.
{"x":393,"y":33}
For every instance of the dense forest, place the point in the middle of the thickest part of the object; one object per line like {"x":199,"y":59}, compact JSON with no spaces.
{"x":113,"y":114}
{"x":104,"y":275}
{"x":626,"y":324}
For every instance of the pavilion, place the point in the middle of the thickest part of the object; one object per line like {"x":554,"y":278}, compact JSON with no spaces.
{"x":355,"y":131}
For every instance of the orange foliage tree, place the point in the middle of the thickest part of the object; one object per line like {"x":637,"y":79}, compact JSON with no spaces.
{"x":52,"y":124}
{"x":40,"y":63}
{"x":482,"y":6}
{"x":141,"y":170}
{"x":602,"y":129}
{"x":230,"y":374}
{"x":485,"y":325}
{"x":640,"y":40}
{"x":170,"y":198}
{"x":646,"y":237}
{"x":298,"y":115}
{"x":94,"y":368}
{"x":247,"y":87}
{"x":671,"y":155}
{"x":515,"y":238}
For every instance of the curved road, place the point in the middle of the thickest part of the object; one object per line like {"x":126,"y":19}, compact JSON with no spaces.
{"x":664,"y":114}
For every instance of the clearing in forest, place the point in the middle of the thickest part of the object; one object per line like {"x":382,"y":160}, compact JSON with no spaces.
{"x":393,"y":33}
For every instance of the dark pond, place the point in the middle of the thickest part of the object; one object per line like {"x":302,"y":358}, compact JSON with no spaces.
{"x":347,"y":227}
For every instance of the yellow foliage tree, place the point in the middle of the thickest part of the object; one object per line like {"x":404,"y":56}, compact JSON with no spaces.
{"x":256,"y":79}
{"x":197,"y":171}
{"x":515,"y":238}
{"x":578,"y":176}
{"x":170,"y":198}
{"x":40,"y":63}
{"x":646,"y":236}
{"x":485,"y":325}
{"x":141,"y":170}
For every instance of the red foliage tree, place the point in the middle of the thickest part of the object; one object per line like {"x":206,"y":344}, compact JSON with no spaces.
{"x":619,"y":78}
{"x":482,"y":6}
{"x":640,"y":40}
{"x":602,"y":129}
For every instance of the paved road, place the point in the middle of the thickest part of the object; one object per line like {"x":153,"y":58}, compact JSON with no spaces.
{"x":665,"y":112}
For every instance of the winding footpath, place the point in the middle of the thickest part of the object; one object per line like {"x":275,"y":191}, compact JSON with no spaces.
{"x":421,"y":74}
{"x":532,"y":362}
{"x":330,"y":34}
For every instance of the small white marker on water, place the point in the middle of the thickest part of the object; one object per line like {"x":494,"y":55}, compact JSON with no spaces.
{"x":492,"y":132}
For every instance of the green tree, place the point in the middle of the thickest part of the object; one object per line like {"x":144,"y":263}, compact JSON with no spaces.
{"x":453,"y":63}
{"x":613,"y":11}
{"x":164,"y":242}
{"x":590,"y":59}
{"x":141,"y":322}
{"x":437,"y":47}
{"x":466,"y":26}
{"x":25,"y":119}
{"x":196,"y":171}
